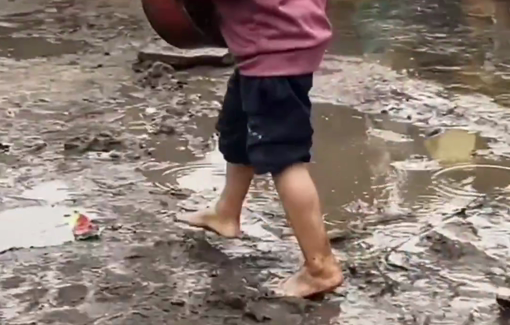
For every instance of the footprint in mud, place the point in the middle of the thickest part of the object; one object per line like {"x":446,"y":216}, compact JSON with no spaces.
{"x":215,"y":286}
{"x":32,"y":298}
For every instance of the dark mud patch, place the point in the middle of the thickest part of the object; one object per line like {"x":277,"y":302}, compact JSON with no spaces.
{"x":71,"y":295}
{"x":222,"y":290}
{"x":12,"y":282}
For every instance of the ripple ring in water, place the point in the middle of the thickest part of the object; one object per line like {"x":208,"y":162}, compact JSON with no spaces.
{"x":468,"y":166}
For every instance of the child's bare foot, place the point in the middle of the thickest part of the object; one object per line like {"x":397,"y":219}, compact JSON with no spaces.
{"x":305,"y":283}
{"x":209,"y":219}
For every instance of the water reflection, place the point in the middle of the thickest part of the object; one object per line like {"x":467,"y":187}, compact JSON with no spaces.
{"x":452,"y":146}
{"x":462,"y":43}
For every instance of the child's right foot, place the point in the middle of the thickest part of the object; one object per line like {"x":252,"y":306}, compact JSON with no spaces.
{"x":305,"y":284}
{"x":211,"y":220}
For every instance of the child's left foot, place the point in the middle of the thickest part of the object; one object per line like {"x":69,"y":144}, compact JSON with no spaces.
{"x":214,"y":219}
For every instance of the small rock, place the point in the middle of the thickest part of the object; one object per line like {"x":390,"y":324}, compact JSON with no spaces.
{"x":4,"y":147}
{"x":178,"y":302}
{"x":433,"y":132}
{"x":353,"y":270}
{"x":115,"y":227}
{"x":165,"y":127}
{"x":115,"y":155}
{"x":337,"y":235}
{"x":503,"y":298}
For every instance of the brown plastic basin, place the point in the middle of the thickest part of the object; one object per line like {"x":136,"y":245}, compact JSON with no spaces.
{"x":185,"y":24}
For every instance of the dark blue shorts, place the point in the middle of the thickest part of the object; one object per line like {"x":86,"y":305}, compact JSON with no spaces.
{"x":265,"y":122}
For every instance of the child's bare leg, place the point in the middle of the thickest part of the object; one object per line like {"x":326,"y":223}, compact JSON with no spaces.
{"x":225,"y":217}
{"x":321,"y":272}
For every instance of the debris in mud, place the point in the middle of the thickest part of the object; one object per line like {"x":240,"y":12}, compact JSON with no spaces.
{"x":440,"y":244}
{"x":176,"y":192}
{"x":157,"y":75}
{"x":101,"y":142}
{"x":158,"y":67}
{"x":34,"y":144}
{"x":361,"y":207}
{"x":83,"y":228}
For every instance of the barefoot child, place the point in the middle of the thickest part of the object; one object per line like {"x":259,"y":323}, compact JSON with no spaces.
{"x":265,"y":125}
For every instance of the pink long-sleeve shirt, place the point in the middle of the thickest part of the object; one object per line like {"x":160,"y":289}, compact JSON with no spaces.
{"x":275,"y":37}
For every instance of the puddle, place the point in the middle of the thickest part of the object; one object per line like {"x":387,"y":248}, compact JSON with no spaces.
{"x":16,"y":43}
{"x":34,"y":227}
{"x":37,"y":226}
{"x":357,"y":157}
{"x":463,"y":44}
{"x":24,"y":48}
{"x":206,"y":174}
{"x":49,"y":192}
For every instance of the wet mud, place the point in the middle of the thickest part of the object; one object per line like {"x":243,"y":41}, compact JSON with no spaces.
{"x":410,"y":158}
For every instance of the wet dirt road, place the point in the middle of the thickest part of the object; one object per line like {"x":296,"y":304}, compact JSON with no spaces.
{"x":411,"y":160}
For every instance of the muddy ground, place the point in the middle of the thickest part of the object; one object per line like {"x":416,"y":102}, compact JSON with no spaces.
{"x":412,"y":170}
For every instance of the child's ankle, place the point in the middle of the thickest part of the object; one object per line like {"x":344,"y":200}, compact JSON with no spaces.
{"x":322,"y":264}
{"x":227,"y":210}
